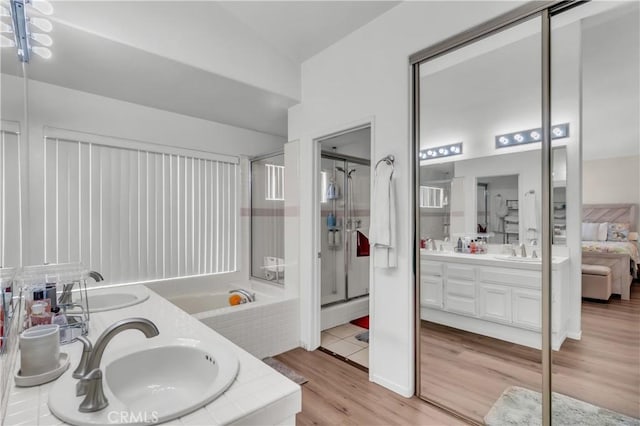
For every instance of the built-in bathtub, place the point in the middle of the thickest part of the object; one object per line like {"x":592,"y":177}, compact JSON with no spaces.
{"x":266,"y":327}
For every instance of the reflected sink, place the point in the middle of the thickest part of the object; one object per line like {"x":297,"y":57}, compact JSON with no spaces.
{"x":153,"y":385}
{"x":108,"y":299}
{"x":521,"y":259}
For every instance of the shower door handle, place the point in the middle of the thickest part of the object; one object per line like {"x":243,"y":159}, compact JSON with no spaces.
{"x":319,"y":255}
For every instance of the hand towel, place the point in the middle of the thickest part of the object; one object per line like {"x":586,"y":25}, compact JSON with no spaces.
{"x":500,"y":210}
{"x":383,"y":227}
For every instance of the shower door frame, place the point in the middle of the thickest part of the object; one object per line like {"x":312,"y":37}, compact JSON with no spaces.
{"x":347,"y":194}
{"x":545,"y":10}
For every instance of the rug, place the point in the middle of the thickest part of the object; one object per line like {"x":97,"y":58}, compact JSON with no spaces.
{"x":361,"y":322}
{"x":285,"y":371}
{"x":363,"y":337}
{"x":520,"y":406}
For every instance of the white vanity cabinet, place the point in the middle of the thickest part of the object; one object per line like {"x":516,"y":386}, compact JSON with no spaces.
{"x":496,"y":298}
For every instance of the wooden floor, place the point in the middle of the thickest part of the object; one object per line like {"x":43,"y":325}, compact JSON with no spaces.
{"x":340,"y":394}
{"x":469,"y":372}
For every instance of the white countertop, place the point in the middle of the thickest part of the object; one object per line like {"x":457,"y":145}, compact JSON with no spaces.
{"x":487,"y":259}
{"x":259,"y":395}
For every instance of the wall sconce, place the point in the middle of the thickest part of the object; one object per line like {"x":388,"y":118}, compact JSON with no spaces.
{"x":530,"y":136}
{"x":441,"y":151}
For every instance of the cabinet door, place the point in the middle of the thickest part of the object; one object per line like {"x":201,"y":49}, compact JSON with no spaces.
{"x":495,"y":302}
{"x":431,"y":268}
{"x":431,"y":292}
{"x":527,"y":308}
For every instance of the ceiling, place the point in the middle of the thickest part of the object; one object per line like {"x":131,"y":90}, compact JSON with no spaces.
{"x":195,"y":58}
{"x":301,"y":29}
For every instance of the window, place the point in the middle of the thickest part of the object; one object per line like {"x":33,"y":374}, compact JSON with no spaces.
{"x":267,"y":218}
{"x":137,"y":211}
{"x":431,"y":197}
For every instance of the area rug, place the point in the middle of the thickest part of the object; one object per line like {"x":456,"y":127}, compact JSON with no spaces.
{"x":361,"y":322}
{"x":285,"y":370}
{"x":520,"y":406}
{"x":363,"y":337}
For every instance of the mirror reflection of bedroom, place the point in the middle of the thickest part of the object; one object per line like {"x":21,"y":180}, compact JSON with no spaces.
{"x":480,"y":213}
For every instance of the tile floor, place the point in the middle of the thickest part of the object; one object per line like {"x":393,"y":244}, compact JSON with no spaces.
{"x":342,"y":340}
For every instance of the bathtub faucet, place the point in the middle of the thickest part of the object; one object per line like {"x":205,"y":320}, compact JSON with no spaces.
{"x":251,"y":297}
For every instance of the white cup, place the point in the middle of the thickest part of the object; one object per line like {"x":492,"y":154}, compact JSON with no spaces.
{"x":39,"y":349}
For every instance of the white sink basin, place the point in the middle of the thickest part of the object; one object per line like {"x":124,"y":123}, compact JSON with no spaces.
{"x":108,"y":299}
{"x":152,"y":385}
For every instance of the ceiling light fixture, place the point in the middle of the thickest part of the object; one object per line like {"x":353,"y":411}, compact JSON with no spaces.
{"x":441,"y":151}
{"x":529,"y":136}
{"x":20,"y":28}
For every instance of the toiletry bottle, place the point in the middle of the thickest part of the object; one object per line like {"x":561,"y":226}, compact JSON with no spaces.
{"x":472,"y":246}
{"x":60,"y":319}
{"x":331,"y":220}
{"x":459,"y":245}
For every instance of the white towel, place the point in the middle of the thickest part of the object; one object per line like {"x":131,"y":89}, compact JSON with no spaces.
{"x":530,"y":216}
{"x":500,"y":210}
{"x":383,"y":226}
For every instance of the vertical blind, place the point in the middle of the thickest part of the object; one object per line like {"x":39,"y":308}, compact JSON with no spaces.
{"x":137,"y":214}
{"x":10,"y":200}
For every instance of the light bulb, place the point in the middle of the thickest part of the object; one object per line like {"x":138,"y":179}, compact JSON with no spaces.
{"x":557,"y":131}
{"x":43,"y":39}
{"x":5,"y":28}
{"x":445,"y":152}
{"x":535,"y":135}
{"x":41,"y":24}
{"x":42,"y":6}
{"x":503,"y":140}
{"x":430,"y":152}
{"x":43,"y":52}
{"x":518,"y":137}
{"x":454,"y":149}
{"x":441,"y":150}
{"x":6,"y":42}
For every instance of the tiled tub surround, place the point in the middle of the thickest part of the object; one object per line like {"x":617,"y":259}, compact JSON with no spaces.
{"x":266,"y":327}
{"x":259,"y":395}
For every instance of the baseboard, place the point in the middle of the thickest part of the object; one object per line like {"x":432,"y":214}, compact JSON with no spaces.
{"x":575,"y":336}
{"x":404,"y":391}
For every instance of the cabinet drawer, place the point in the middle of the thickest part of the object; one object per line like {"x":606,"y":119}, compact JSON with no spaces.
{"x":461,"y":288}
{"x":462,"y":272}
{"x":431,"y":292}
{"x":430,"y":268}
{"x":516,"y":277}
{"x":461,"y":305}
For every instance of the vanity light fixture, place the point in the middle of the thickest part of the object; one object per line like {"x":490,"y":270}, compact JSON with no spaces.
{"x":441,"y":151}
{"x":532,"y":135}
{"x":21,"y":29}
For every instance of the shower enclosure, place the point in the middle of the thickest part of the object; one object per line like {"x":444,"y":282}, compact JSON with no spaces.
{"x":344,"y":212}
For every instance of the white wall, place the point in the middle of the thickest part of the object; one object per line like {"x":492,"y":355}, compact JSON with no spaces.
{"x":611,"y":180}
{"x":63,"y":108}
{"x":365,"y":76}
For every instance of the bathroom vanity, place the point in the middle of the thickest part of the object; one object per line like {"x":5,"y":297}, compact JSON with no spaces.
{"x":258,"y":395}
{"x":493,"y":295}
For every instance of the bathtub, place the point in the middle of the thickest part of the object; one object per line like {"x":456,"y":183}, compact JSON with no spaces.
{"x":266,"y":327}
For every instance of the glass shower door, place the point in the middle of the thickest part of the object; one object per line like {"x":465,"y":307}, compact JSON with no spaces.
{"x":357,"y":229}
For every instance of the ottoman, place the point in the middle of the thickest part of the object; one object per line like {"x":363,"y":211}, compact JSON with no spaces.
{"x":596,"y":282}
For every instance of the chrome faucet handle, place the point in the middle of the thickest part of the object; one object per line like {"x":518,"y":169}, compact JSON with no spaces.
{"x":433,"y":245}
{"x":513,"y":252}
{"x":81,"y":369}
{"x":94,"y":399}
{"x":534,"y":255}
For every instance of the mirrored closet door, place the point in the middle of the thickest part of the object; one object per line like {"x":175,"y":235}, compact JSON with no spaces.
{"x":527,"y":208}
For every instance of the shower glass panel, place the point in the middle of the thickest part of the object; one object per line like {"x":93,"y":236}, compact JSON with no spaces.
{"x":595,"y":66}
{"x":267,"y":218}
{"x":480,"y":289}
{"x":344,"y":213}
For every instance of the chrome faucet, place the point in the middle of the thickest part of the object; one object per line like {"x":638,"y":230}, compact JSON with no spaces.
{"x":65,"y":298}
{"x":91,"y":383}
{"x":251,"y":297}
{"x":433,"y":244}
{"x":523,"y":250}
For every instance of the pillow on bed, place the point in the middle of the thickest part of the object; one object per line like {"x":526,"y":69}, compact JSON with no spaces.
{"x":590,"y":231}
{"x":603,"y":231}
{"x":618,"y":232}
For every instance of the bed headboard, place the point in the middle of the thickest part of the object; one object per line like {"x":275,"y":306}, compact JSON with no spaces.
{"x":621,"y":213}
